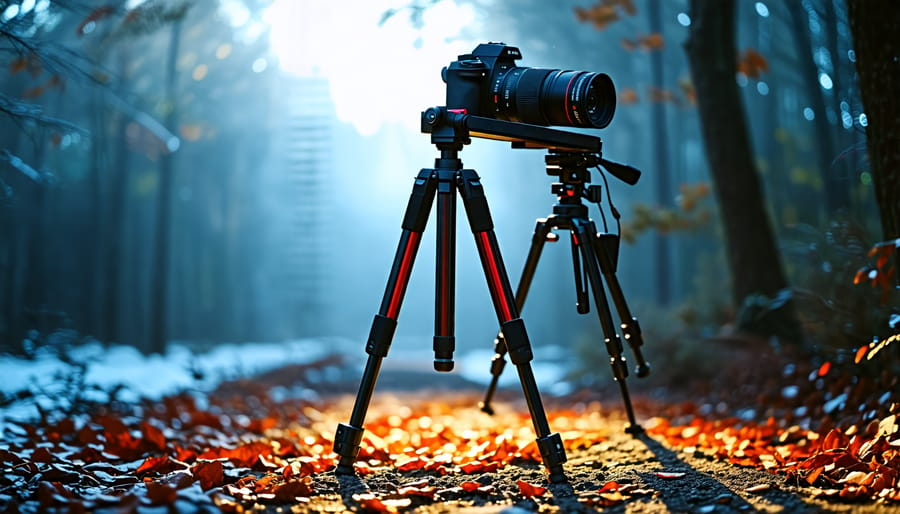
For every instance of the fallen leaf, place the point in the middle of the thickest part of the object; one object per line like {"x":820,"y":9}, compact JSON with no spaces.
{"x":669,"y":474}
{"x":529,"y":490}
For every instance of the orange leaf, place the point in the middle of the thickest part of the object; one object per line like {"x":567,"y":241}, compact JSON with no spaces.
{"x":628,"y":96}
{"x":33,"y":92}
{"x":752,"y":64}
{"x":652,"y":41}
{"x":472,"y":467}
{"x":18,"y":64}
{"x":162,"y":465}
{"x":860,"y":353}
{"x":529,"y":490}
{"x":469,"y":486}
{"x":599,"y":15}
{"x":612,"y":485}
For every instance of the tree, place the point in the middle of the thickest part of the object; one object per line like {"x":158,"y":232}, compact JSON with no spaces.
{"x":836,"y":195}
{"x":751,"y":254}
{"x":874,"y":26}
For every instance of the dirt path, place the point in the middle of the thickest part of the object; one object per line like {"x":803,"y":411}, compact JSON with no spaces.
{"x":651,"y":477}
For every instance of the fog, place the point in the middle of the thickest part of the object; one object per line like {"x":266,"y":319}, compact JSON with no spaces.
{"x":264,"y":152}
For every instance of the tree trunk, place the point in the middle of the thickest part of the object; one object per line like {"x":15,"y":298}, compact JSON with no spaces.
{"x":874,"y":24}
{"x":661,"y":161}
{"x":160,"y":278}
{"x":752,"y":257}
{"x":118,"y":196}
{"x":837,"y":197}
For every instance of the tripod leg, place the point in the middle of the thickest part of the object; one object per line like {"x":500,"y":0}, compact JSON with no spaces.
{"x":513,"y":328}
{"x":606,"y":246}
{"x":541,"y":230}
{"x":349,"y":435}
{"x":584,"y":233}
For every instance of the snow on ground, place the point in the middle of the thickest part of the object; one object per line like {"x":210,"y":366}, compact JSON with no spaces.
{"x":181,"y":368}
{"x":147,"y":376}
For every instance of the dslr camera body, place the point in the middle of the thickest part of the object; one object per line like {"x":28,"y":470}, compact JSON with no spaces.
{"x":488,"y":83}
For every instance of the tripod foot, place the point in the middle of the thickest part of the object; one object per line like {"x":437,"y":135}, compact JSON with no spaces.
{"x":486,"y":407}
{"x":553,"y":454}
{"x":344,"y":469}
{"x":346,"y":444}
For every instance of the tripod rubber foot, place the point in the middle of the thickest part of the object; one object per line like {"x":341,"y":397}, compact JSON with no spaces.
{"x":486,"y":407}
{"x":443,"y":365}
{"x":557,"y":475}
{"x":642,"y":370}
{"x":344,"y":469}
{"x":634,"y":429}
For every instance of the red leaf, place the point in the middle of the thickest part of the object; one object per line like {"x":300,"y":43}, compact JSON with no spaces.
{"x":210,"y":473}
{"x":42,"y":455}
{"x":824,"y":368}
{"x":161,"y":494}
{"x":243,"y":456}
{"x":529,"y":490}
{"x":153,"y":436}
{"x":472,"y":467}
{"x":289,"y":490}
{"x":469,"y":486}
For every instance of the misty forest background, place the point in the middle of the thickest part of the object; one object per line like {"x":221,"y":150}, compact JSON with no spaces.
{"x":164,"y":177}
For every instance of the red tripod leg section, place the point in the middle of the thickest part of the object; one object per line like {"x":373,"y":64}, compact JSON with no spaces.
{"x":396,"y":288}
{"x":498,"y":283}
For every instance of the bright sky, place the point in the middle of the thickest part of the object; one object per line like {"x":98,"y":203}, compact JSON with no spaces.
{"x":378,"y":74}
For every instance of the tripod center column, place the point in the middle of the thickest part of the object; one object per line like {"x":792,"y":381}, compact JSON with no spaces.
{"x":446,"y":169}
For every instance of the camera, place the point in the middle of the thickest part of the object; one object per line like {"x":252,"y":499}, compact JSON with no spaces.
{"x":488,"y":83}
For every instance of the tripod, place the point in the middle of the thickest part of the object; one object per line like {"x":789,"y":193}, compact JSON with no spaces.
{"x":450,"y":131}
{"x":593,"y":254}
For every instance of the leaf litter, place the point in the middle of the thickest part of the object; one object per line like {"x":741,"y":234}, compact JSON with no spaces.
{"x":247,"y":451}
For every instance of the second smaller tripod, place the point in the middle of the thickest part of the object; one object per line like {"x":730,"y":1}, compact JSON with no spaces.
{"x":594,"y":259}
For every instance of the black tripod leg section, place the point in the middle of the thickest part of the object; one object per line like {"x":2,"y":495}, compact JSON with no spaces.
{"x":581,"y":299}
{"x":584,"y":233}
{"x":498,"y":362}
{"x":607,"y":247}
{"x":513,"y":328}
{"x":349,"y":435}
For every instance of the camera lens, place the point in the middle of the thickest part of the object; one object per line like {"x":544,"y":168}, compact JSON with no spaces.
{"x":553,"y":97}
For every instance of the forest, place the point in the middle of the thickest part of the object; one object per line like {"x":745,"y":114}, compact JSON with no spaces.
{"x":201,"y":203}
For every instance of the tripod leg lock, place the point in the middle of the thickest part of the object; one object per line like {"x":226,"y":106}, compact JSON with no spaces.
{"x":380,"y":336}
{"x":346,"y":444}
{"x":554,"y":455}
{"x":517,"y":341}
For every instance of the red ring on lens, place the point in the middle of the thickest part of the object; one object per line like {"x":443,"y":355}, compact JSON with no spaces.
{"x":566,"y":100}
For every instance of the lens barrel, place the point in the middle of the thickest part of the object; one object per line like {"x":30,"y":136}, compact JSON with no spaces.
{"x":553,"y":97}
